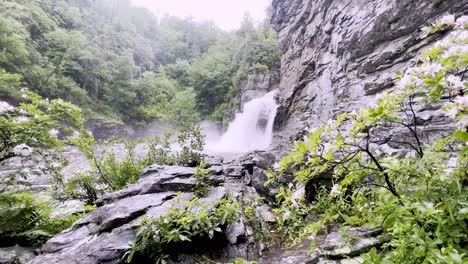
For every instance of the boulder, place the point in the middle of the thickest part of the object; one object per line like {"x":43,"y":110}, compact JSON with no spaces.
{"x":15,"y":255}
{"x":105,"y":234}
{"x":102,"y":129}
{"x":332,"y":248}
{"x":233,"y":171}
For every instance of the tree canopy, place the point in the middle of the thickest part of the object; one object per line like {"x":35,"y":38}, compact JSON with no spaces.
{"x":122,"y":62}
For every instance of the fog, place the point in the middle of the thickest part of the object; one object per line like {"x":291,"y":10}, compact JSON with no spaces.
{"x":227,"y":14}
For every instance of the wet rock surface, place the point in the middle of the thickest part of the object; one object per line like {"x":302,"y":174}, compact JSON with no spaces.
{"x":102,"y":129}
{"x":14,"y":255}
{"x":104,"y":235}
{"x":336,"y":247}
{"x":337,"y":55}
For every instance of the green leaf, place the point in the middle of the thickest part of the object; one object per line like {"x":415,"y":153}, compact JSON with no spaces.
{"x":462,"y":135}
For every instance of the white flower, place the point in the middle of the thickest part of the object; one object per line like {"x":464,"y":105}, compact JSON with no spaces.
{"x":276,"y":165}
{"x":22,"y":150}
{"x":426,"y":30}
{"x":53,"y":133}
{"x":4,"y":107}
{"x":22,"y":111}
{"x":335,"y":190}
{"x":406,"y":80}
{"x":462,"y":22}
{"x":456,"y":50}
{"x":430,"y":69}
{"x":76,"y":134}
{"x":452,"y":112}
{"x":462,"y":102}
{"x":459,"y":36}
{"x":447,"y":20}
{"x":327,"y":147}
{"x":21,"y":119}
{"x":445,"y":42}
{"x":455,"y":82}
{"x":463,"y":122}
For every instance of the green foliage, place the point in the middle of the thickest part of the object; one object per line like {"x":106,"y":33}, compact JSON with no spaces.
{"x":201,"y":187}
{"x":220,"y":72}
{"x":113,"y":61}
{"x":253,"y":218}
{"x":182,"y":223}
{"x":242,"y":261}
{"x":444,"y":24}
{"x":419,"y":199}
{"x":10,"y":85}
{"x":83,"y":186}
{"x":121,"y":173}
{"x":189,"y":141}
{"x":112,"y":172}
{"x":34,"y":125}
{"x":26,"y":219}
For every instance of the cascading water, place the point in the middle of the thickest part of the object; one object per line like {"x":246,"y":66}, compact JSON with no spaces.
{"x":250,"y":130}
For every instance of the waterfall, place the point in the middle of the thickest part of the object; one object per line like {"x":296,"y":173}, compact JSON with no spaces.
{"x":251,"y":129}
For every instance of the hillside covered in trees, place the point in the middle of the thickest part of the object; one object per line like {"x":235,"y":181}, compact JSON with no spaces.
{"x":121,"y":63}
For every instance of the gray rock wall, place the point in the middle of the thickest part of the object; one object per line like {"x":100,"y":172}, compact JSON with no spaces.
{"x":337,"y":55}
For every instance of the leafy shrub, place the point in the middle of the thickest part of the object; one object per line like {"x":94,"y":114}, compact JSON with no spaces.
{"x":110,"y":172}
{"x":27,"y":220}
{"x":189,"y":141}
{"x":182,"y":223}
{"x":83,"y":186}
{"x":34,"y":125}
{"x":260,"y":68}
{"x":201,"y":187}
{"x":419,"y":199}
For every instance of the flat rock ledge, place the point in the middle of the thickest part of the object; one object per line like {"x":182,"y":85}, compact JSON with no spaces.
{"x":104,"y":235}
{"x":334,"y":248}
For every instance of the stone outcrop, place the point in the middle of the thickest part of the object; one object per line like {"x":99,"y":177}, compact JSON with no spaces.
{"x":14,"y":255}
{"x":334,"y":247}
{"x":104,"y":235}
{"x":337,"y":55}
{"x":102,"y":129}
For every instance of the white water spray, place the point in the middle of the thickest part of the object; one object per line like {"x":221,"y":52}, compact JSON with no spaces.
{"x":251,"y":130}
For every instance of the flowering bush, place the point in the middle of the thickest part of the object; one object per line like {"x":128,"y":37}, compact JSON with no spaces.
{"x":419,"y":196}
{"x":34,"y":125}
{"x":30,"y":132}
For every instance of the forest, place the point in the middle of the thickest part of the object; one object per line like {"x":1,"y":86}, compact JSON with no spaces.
{"x":122,"y":63}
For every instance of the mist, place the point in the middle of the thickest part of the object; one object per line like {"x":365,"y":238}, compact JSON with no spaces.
{"x":227,"y":14}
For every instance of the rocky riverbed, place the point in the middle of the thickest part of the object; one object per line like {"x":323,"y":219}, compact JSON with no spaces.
{"x":104,"y":235}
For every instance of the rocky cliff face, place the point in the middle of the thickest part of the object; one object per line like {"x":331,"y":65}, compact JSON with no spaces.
{"x":337,"y":55}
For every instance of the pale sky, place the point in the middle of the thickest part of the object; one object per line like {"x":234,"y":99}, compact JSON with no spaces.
{"x":225,"y":13}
